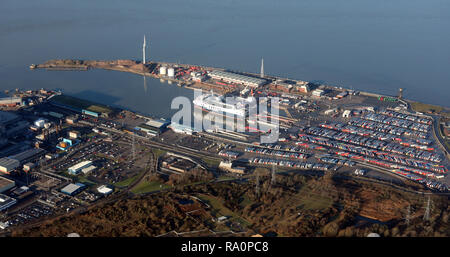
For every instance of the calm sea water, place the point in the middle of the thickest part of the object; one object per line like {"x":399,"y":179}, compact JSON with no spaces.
{"x":372,"y":45}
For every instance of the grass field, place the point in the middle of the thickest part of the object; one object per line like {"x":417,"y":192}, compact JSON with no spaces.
{"x":245,"y":201}
{"x":146,"y":187}
{"x":422,"y":107}
{"x":127,"y":182}
{"x":213,"y":163}
{"x":81,"y":104}
{"x":99,"y":109}
{"x":225,"y":178}
{"x":312,"y":201}
{"x":85,"y":181}
{"x":158,"y":152}
{"x":221,"y":210}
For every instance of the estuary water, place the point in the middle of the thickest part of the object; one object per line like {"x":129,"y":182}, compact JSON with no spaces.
{"x":371,"y":45}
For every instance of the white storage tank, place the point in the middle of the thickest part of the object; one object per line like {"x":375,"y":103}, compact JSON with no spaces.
{"x":162,"y":70}
{"x":171,"y":72}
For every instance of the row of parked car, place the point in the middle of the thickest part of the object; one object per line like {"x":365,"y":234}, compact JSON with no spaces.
{"x":337,"y":161}
{"x":374,"y":143}
{"x":404,"y":116}
{"x":435,"y":185}
{"x":228,"y":153}
{"x":377,"y":157}
{"x":380,"y":132}
{"x":288,"y":148}
{"x":397,"y":122}
{"x":279,"y":153}
{"x":293,"y":164}
{"x":385,"y":128}
{"x":366,"y":140}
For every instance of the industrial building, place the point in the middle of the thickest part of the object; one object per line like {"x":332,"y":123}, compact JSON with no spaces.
{"x":74,"y":134}
{"x":179,"y":165}
{"x":56,"y":115}
{"x":237,"y":78}
{"x":10,"y":101}
{"x":28,"y":166}
{"x":80,"y":106}
{"x":153,"y":127}
{"x":72,"y":119}
{"x":6,"y":202}
{"x":76,"y":169}
{"x":304,"y":88}
{"x":318,"y":92}
{"x":39,"y":123}
{"x":7,"y":164}
{"x":66,"y":144}
{"x":11,"y":124}
{"x":228,"y":166}
{"x":88,"y":169}
{"x":6,"y":184}
{"x":105,"y":190}
{"x":73,"y":189}
{"x":28,"y":155}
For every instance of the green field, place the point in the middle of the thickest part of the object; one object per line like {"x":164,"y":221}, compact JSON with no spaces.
{"x":126,"y":182}
{"x":312,"y":201}
{"x":146,"y":187}
{"x":213,"y":163}
{"x":245,"y":201}
{"x":422,"y":107}
{"x":221,"y":210}
{"x":81,"y":104}
{"x":85,"y":181}
{"x":225,"y":178}
{"x":158,"y":152}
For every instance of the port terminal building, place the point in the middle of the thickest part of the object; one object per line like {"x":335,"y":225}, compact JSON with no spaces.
{"x":153,"y":127}
{"x":80,"y":106}
{"x":236,"y":78}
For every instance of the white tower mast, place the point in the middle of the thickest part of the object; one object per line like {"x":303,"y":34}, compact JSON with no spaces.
{"x":143,"y":51}
{"x":262,"y":67}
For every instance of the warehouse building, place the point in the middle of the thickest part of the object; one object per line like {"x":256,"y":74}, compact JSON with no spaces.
{"x":6,"y":202}
{"x":228,"y":166}
{"x":88,"y":169}
{"x":73,"y":189}
{"x":76,"y":169}
{"x":6,"y":184}
{"x":236,"y":78}
{"x":28,"y":155}
{"x":318,"y":92}
{"x":104,"y":190}
{"x":153,"y":127}
{"x":7,"y":164}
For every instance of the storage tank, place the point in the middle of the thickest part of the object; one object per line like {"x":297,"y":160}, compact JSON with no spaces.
{"x":171,"y":72}
{"x":162,"y":70}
